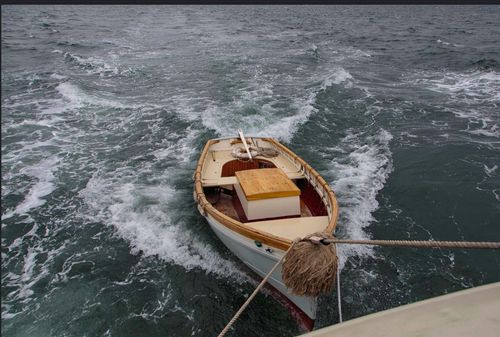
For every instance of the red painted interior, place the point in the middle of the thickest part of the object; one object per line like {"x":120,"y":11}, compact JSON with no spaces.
{"x":238,"y":207}
{"x":232,"y":166}
{"x":308,"y":196}
{"x":242,"y":216}
{"x":311,"y":198}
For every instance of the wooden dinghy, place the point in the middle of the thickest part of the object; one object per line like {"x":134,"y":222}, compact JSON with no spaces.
{"x":258,"y":196}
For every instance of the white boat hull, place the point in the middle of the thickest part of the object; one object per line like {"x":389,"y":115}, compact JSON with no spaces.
{"x":260,"y":244}
{"x":261,"y":260}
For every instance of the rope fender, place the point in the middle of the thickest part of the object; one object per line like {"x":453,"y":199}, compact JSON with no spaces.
{"x":309,"y":268}
{"x":310,"y":265}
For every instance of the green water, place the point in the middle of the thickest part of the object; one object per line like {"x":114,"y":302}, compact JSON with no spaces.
{"x":106,"y":109}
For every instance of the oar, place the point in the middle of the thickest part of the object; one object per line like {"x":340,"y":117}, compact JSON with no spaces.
{"x":245,"y":144}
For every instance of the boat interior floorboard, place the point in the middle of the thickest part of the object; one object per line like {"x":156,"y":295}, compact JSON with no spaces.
{"x":229,"y":204}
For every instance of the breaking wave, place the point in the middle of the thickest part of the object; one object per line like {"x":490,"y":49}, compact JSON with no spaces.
{"x":43,"y":174}
{"x":359,"y":170}
{"x":148,"y":218}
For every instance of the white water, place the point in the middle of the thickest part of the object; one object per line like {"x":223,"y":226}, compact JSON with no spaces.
{"x":145,"y":217}
{"x":270,"y":121}
{"x":474,"y":96}
{"x":43,"y":174}
{"x":359,"y":172}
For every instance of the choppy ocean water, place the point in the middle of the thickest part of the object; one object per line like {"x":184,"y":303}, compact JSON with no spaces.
{"x":105,"y":111}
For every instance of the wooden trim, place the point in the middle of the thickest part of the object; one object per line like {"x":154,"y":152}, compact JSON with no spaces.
{"x":241,"y":228}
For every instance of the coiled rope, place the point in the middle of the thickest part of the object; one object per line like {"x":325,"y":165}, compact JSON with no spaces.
{"x":266,"y":152}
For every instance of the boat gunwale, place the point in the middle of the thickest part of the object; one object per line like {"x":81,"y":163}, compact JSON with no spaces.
{"x":269,"y":239}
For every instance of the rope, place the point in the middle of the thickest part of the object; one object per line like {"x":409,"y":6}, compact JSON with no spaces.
{"x":267,"y":152}
{"x":250,"y":298}
{"x":339,"y":305}
{"x":417,"y":244}
{"x":327,"y":241}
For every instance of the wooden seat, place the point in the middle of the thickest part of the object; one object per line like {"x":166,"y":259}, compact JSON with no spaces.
{"x":292,"y":228}
{"x":266,"y":184}
{"x":219,"y":181}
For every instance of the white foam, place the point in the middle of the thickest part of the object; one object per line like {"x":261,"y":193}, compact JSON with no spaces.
{"x":70,"y":97}
{"x":147,"y":215}
{"x":269,"y":121}
{"x":29,"y":264}
{"x":476,"y":92}
{"x":339,"y":76}
{"x":493,"y":131}
{"x":439,"y":124}
{"x":151,"y":228}
{"x":358,"y":177}
{"x":43,"y":172}
{"x":56,"y":76}
{"x":78,"y":98}
{"x":10,"y":315}
{"x":185,"y":106}
{"x":497,"y":194}
{"x":443,"y":42}
{"x":490,"y":170}
{"x":93,"y":64}
{"x":409,"y":135}
{"x":449,"y":43}
{"x":475,"y":84}
{"x":350,"y":53}
{"x":36,"y":263}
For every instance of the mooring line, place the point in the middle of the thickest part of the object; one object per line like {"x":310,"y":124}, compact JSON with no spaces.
{"x":339,"y":304}
{"x":325,"y":239}
{"x":412,"y":243}
{"x":420,"y":244}
{"x":250,"y":298}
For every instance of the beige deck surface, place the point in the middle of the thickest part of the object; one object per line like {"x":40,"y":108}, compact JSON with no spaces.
{"x":266,"y":183}
{"x":292,"y":228}
{"x":212,"y":167}
{"x":222,"y":181}
{"x":472,"y":312}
